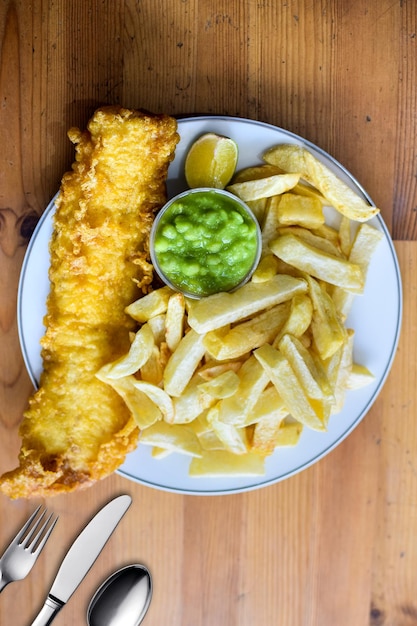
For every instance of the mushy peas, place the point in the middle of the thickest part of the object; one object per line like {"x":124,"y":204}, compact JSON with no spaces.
{"x":205,"y":241}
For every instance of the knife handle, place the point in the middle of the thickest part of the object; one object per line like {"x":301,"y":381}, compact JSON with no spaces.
{"x":48,"y":612}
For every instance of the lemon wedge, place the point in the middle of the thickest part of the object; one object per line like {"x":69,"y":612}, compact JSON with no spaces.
{"x":211,"y":161}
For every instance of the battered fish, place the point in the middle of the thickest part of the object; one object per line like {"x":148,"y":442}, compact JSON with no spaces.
{"x":77,"y":429}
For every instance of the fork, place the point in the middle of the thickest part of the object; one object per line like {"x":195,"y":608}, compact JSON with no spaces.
{"x":20,"y":556}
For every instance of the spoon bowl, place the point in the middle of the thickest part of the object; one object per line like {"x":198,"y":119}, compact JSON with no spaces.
{"x":123,"y":599}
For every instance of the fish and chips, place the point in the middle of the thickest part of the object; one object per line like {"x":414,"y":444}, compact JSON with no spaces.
{"x":226,"y":379}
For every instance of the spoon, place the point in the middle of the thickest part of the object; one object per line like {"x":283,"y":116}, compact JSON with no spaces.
{"x":123,"y":599}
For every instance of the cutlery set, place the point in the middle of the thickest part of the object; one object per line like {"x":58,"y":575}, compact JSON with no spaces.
{"x":122,"y":599}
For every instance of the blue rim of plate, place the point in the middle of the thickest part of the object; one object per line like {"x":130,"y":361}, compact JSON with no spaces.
{"x":262,"y":482}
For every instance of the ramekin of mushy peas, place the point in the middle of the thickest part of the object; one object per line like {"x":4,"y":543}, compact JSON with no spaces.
{"x":204,"y":241}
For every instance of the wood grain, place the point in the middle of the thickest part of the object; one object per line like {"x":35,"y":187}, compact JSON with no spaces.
{"x":335,"y":544}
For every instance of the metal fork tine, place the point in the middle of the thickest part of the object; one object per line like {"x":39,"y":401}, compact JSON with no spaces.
{"x":24,"y":528}
{"x":40,"y":540}
{"x":28,"y":539}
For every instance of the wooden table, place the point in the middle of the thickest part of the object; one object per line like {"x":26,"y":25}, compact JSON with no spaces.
{"x":335,"y":545}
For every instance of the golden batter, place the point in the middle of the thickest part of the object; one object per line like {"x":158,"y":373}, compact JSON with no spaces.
{"x":77,"y":429}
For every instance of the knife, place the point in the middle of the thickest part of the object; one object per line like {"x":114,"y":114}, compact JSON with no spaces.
{"x":81,"y":556}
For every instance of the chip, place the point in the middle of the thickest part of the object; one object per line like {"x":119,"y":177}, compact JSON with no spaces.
{"x":233,"y":438}
{"x":183,"y":363}
{"x":159,"y":396}
{"x":300,"y":406}
{"x":328,"y":332}
{"x":294,"y":158}
{"x":222,"y":386}
{"x":268,"y":405}
{"x":316,"y":237}
{"x":267,"y":268}
{"x":361,"y":251}
{"x":288,"y":434}
{"x":236,"y":409}
{"x":359,"y":377}
{"x":172,"y":437}
{"x":192,"y":403}
{"x":265,"y":434}
{"x":294,"y":209}
{"x":299,"y":318}
{"x":230,"y":343}
{"x":154,"y":303}
{"x":174,"y":320}
{"x":314,"y":261}
{"x":221,"y":309}
{"x":264,"y":187}
{"x":215,"y":463}
{"x":139,"y":353}
{"x":144,"y":410}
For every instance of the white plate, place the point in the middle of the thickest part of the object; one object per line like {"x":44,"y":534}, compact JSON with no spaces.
{"x":376,"y":318}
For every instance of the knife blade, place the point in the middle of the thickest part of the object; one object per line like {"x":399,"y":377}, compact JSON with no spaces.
{"x":81,"y":556}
